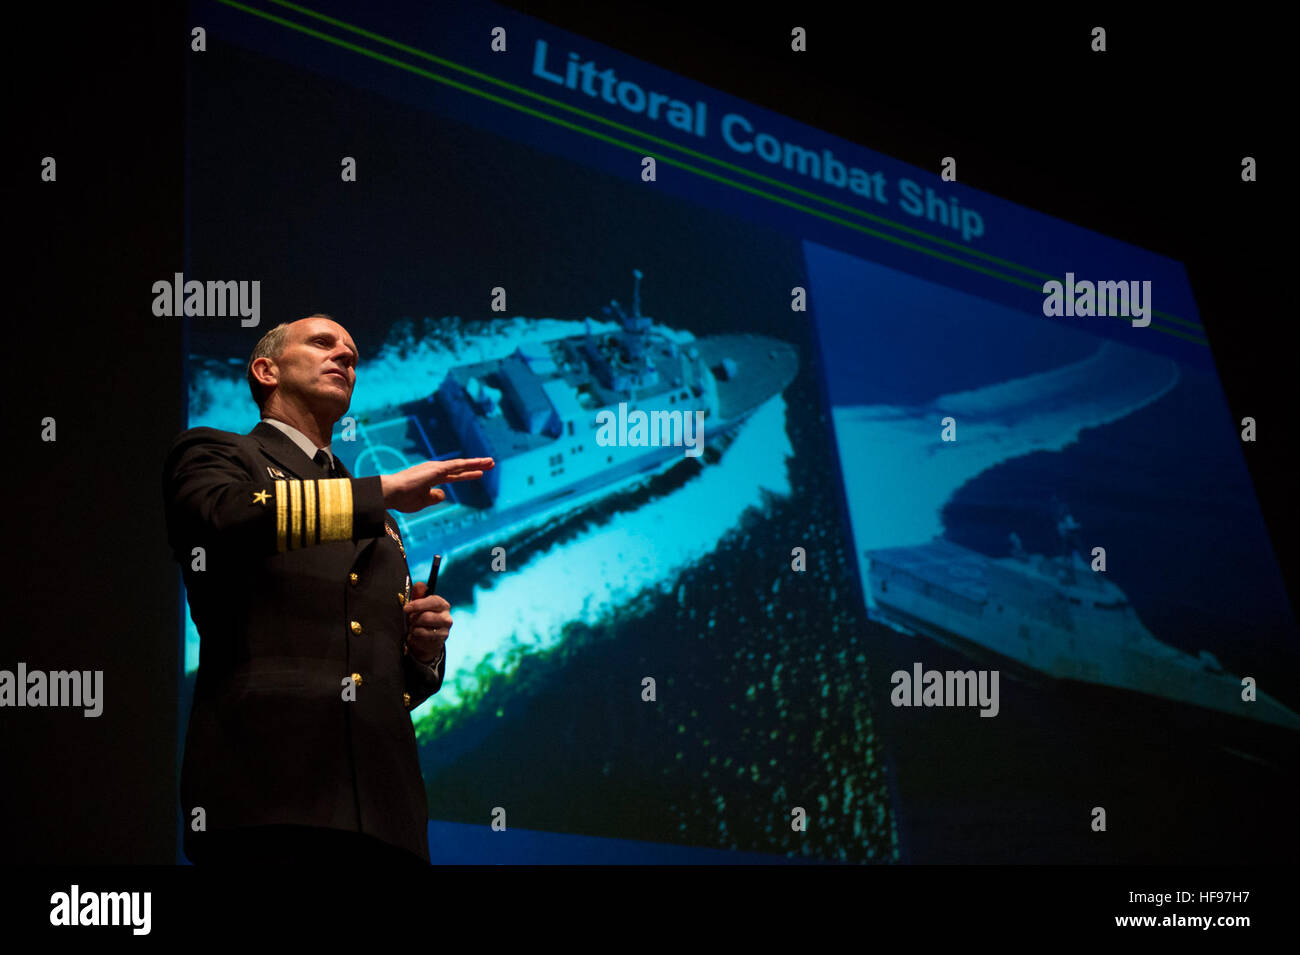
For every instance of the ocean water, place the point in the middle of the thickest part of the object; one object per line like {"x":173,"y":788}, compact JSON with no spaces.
{"x":899,"y":475}
{"x":763,"y":701}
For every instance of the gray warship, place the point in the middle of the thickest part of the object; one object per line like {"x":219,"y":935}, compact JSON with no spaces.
{"x":1052,"y":615}
{"x":536,"y":412}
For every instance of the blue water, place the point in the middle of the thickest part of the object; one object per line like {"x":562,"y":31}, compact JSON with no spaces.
{"x":891,"y":338}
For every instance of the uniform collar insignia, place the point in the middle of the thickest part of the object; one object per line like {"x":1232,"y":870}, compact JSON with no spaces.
{"x":392,"y":532}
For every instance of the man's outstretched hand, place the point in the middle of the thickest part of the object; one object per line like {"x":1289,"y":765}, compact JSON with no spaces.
{"x":415,"y":488}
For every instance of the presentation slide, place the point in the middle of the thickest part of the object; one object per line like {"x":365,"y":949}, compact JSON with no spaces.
{"x":841,"y":512}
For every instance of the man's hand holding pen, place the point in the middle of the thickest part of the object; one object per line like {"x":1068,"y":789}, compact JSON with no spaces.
{"x":428,"y":624}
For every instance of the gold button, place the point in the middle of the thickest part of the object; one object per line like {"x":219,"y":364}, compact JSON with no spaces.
{"x":401,"y":599}
{"x":356,"y":628}
{"x":356,"y":678}
{"x":406,"y":699}
{"x":353,"y":579}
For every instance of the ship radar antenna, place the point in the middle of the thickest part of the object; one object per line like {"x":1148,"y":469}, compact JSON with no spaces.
{"x":1017,"y":548}
{"x":1066,"y":527}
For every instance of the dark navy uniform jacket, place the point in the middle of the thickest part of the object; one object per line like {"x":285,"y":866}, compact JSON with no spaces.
{"x":303,"y":591}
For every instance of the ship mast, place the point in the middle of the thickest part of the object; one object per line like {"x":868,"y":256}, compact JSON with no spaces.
{"x":624,"y":360}
{"x":1017,"y":548}
{"x":1066,"y":526}
{"x":635,"y":327}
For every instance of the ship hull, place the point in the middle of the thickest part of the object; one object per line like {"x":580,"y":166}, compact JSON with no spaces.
{"x":1153,"y":670}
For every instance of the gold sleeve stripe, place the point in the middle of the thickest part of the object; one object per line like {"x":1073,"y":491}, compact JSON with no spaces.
{"x":345,"y":489}
{"x":310,"y":512}
{"x":335,"y":509}
{"x":328,"y":509}
{"x":309,"y":502}
{"x":295,"y":514}
{"x":281,"y":516}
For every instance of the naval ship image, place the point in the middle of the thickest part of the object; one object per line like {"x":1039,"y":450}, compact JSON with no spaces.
{"x":1052,"y":615}
{"x":536,"y":413}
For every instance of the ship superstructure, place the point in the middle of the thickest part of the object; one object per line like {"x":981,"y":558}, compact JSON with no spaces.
{"x":538,"y":413}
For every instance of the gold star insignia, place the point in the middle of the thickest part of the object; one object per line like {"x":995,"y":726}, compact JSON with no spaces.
{"x":260,"y":497}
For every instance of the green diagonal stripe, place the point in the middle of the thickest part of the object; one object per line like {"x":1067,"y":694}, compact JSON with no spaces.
{"x":640,"y":150}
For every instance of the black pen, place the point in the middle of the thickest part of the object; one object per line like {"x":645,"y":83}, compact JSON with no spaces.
{"x":433,"y":578}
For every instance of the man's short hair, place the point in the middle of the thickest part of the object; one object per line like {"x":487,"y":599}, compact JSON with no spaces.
{"x":270,"y":345}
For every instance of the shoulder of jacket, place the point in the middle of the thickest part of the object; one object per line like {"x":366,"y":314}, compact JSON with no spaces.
{"x":195,"y":439}
{"x":210,"y":436}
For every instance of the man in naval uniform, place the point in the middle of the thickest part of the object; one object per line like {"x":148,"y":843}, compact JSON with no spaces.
{"x":314,"y":648}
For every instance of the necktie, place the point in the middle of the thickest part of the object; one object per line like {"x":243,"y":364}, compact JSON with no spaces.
{"x":325,"y":462}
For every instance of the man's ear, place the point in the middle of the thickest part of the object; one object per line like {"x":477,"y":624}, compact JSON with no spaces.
{"x":269,"y":369}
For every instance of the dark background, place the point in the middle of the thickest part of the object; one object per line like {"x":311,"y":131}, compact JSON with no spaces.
{"x":1142,"y":143}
